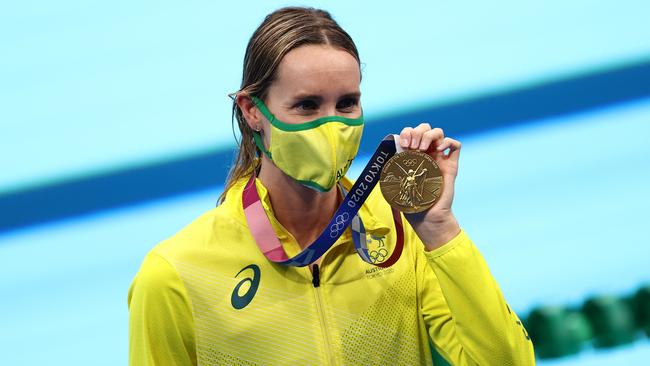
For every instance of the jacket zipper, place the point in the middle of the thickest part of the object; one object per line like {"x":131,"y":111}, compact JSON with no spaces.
{"x":321,"y":316}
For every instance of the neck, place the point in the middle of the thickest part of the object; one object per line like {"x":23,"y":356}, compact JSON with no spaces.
{"x":304,"y":212}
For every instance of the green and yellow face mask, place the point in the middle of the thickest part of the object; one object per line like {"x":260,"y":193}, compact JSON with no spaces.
{"x":317,"y":153}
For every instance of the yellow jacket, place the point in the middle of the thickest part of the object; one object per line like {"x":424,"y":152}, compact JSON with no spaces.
{"x":208,"y":296}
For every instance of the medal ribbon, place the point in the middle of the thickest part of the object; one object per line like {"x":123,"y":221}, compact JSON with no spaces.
{"x":268,"y":242}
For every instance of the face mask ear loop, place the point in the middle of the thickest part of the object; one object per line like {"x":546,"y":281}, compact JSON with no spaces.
{"x":262,"y":108}
{"x":257,"y":136}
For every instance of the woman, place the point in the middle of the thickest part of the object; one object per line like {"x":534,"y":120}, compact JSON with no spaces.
{"x":218,"y":293}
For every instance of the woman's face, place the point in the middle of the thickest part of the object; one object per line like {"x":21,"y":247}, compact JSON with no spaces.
{"x":315,"y":81}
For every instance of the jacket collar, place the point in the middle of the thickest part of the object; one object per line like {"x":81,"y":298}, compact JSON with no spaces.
{"x":290,"y":245}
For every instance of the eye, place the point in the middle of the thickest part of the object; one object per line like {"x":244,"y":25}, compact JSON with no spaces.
{"x":347,"y":103}
{"x":306,"y":105}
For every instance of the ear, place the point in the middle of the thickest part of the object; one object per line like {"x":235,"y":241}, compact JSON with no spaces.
{"x":250,"y":112}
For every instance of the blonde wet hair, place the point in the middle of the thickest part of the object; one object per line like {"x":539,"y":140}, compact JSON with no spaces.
{"x":280,"y":32}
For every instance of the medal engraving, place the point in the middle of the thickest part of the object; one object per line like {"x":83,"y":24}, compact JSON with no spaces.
{"x":411,"y":181}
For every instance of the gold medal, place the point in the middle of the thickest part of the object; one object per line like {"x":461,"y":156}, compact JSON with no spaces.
{"x":411,"y":181}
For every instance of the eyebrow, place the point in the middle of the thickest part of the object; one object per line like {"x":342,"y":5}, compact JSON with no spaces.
{"x":319,"y":98}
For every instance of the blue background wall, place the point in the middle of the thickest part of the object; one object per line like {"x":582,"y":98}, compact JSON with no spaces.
{"x":115,"y":133}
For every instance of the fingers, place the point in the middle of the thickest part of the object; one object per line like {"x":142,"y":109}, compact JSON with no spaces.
{"x":431,"y":139}
{"x":452,"y":145}
{"x":405,"y":137}
{"x":422,"y":137}
{"x":418,"y":134}
{"x":448,"y":143}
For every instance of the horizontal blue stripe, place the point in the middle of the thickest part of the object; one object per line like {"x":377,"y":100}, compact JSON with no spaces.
{"x":513,"y":107}
{"x":124,"y":187}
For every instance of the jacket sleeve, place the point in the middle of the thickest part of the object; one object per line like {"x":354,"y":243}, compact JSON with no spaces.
{"x":468,"y":320}
{"x":161,"y":325}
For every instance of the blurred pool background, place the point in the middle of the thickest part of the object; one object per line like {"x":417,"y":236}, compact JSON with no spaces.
{"x":115,"y":132}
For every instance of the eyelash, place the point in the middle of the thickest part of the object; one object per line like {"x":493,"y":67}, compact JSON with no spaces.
{"x":310,"y":105}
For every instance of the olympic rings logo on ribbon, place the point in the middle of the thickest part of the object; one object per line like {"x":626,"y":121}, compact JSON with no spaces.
{"x":339,"y":224}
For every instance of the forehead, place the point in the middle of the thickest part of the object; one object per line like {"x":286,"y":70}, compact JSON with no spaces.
{"x":317,"y":69}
